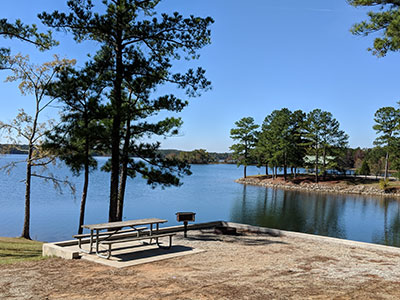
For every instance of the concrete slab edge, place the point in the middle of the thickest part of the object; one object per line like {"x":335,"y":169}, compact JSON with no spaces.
{"x":53,"y":249}
{"x":364,"y":245}
{"x":140,"y":261}
{"x":277,"y":232}
{"x":250,"y":228}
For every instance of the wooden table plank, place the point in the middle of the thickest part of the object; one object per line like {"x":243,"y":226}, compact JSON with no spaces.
{"x":111,"y":225}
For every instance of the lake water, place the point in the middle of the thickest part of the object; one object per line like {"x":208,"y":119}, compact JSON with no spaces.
{"x":210,"y":192}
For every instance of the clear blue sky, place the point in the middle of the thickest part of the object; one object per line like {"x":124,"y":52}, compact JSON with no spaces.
{"x":265,"y":55}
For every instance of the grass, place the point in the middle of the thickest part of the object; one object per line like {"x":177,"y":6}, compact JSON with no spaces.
{"x":19,"y":249}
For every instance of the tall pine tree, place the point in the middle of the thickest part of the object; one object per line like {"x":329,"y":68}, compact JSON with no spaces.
{"x":245,"y":134}
{"x":137,"y":48}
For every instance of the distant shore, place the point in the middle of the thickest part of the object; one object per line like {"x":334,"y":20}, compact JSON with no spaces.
{"x":332,"y":185}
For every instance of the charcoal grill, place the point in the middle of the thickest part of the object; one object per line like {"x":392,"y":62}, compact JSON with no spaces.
{"x":185,"y":217}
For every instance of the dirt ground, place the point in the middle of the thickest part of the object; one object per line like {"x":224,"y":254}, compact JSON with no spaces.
{"x":232,"y":267}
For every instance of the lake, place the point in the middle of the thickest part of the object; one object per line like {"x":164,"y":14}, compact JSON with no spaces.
{"x":210,"y":192}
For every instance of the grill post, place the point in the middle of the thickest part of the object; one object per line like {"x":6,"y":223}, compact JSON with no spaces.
{"x":185,"y":217}
{"x":185,"y":228}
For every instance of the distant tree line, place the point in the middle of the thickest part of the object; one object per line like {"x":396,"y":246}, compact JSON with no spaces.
{"x":198,"y":156}
{"x":13,"y":149}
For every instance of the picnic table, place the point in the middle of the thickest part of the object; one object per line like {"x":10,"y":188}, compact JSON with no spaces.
{"x":138,"y":230}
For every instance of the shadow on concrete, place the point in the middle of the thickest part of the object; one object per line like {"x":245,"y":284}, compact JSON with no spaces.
{"x":150,"y":253}
{"x":239,"y":239}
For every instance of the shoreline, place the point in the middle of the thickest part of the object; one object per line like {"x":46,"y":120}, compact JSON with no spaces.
{"x":321,"y":187}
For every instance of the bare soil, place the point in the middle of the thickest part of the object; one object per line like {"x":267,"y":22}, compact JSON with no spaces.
{"x":232,"y":267}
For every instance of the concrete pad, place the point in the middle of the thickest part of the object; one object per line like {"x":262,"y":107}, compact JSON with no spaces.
{"x":136,"y":253}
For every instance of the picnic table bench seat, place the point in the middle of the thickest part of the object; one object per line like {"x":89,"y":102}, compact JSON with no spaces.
{"x":87,"y":235}
{"x":137,"y":238}
{"x":107,"y":234}
{"x":114,"y":234}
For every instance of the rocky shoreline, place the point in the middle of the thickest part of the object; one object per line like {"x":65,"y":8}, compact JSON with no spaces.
{"x":319,"y":187}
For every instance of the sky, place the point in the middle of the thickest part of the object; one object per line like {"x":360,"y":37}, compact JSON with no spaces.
{"x":265,"y":55}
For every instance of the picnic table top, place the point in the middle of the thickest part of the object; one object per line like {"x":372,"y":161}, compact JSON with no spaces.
{"x":111,"y":225}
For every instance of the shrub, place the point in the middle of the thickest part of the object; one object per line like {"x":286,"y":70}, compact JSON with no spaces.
{"x":383,"y":184}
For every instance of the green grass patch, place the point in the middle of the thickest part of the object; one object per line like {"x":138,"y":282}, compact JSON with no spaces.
{"x":19,"y":249}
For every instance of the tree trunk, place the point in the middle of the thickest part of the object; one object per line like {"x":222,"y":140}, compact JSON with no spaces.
{"x":386,"y":165}
{"x":121,"y":191}
{"x":276,"y":172}
{"x":26,"y":227}
{"x":266,"y":169}
{"x":115,"y":134}
{"x":27,"y":215}
{"x":112,"y":216}
{"x":124,"y":171}
{"x":316,"y":164}
{"x":245,"y":158}
{"x":285,"y":168}
{"x":324,"y":163}
{"x":83,"y":199}
{"x":85,"y":183}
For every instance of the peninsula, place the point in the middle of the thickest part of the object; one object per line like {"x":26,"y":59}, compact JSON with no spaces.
{"x":332,"y":184}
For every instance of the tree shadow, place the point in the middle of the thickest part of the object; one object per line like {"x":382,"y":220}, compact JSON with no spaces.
{"x":19,"y":254}
{"x":240,"y":238}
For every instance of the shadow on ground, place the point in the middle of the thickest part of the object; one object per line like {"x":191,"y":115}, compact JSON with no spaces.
{"x":150,"y":253}
{"x":239,"y":239}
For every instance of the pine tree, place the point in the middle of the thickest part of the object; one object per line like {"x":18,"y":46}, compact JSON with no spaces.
{"x":245,"y":134}
{"x":137,"y":50}
{"x":383,"y":22}
{"x":80,"y":133}
{"x":387,"y":121}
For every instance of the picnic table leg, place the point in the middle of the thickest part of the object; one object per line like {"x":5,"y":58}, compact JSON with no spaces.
{"x":151,"y":232}
{"x":91,"y":241}
{"x":157,"y":227}
{"x":137,"y":231}
{"x":97,"y":241}
{"x":165,"y":247}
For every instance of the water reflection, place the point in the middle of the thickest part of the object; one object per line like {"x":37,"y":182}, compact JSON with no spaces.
{"x":342,"y":216}
{"x":391,"y":224}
